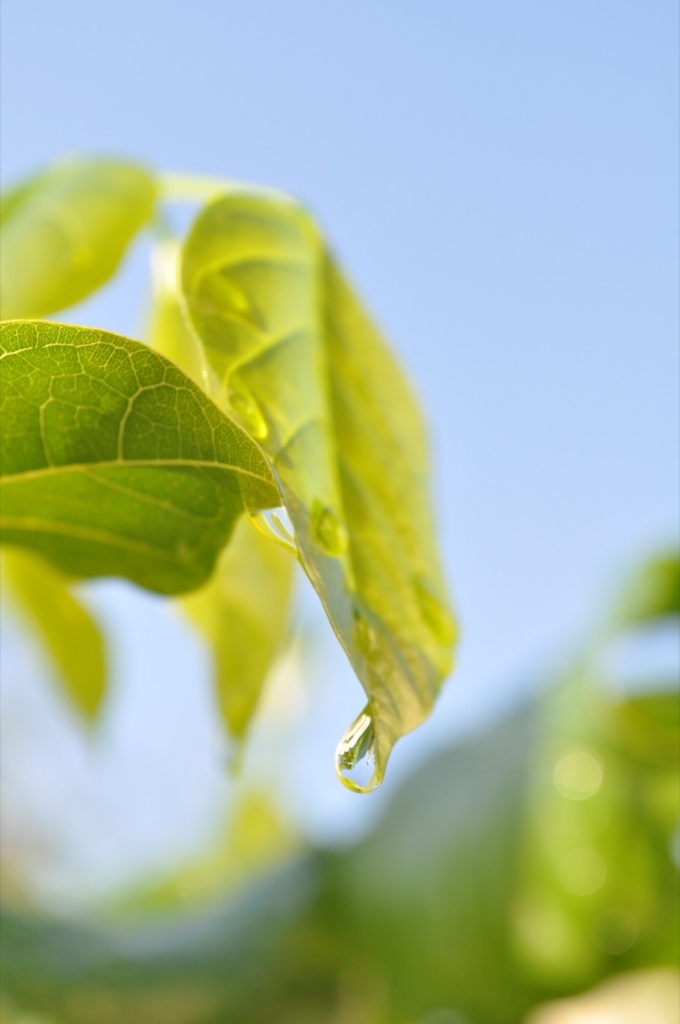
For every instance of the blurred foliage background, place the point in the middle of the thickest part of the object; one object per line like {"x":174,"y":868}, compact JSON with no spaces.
{"x":525,"y":864}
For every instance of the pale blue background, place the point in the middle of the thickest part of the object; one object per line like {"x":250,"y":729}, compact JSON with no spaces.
{"x":501,"y":178}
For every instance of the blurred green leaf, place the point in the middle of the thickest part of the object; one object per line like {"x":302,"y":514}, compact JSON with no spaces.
{"x":114,"y":462}
{"x":599,"y":889}
{"x":69,"y":633}
{"x":65,"y":231}
{"x":206,"y":968}
{"x":294,"y":357}
{"x":168,"y":329}
{"x":243,"y":610}
{"x":455,"y":901}
{"x":653,"y":592}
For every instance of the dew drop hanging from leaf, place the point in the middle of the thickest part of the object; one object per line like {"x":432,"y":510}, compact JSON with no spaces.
{"x":275,"y":524}
{"x":355,"y":755}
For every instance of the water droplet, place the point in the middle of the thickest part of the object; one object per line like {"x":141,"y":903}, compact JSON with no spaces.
{"x":355,"y":756}
{"x":436,"y":615}
{"x":275,"y":523}
{"x":329,"y":530}
{"x":247,"y":409}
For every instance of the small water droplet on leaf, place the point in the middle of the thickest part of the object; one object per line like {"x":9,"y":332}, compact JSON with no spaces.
{"x":275,"y":523}
{"x":330,"y":531}
{"x":355,"y":756}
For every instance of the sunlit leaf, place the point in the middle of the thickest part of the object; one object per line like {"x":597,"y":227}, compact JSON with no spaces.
{"x":114,"y":462}
{"x":71,"y":636}
{"x":65,"y":231}
{"x":294,"y":357}
{"x":243,"y":609}
{"x":168,"y":329}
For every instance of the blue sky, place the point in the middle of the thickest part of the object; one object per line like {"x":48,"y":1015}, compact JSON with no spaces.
{"x":501,"y":180}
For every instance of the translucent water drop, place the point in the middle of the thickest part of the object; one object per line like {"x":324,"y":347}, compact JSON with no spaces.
{"x":275,"y":523}
{"x":436,"y":615}
{"x":355,"y":756}
{"x":329,"y":530}
{"x":247,"y":409}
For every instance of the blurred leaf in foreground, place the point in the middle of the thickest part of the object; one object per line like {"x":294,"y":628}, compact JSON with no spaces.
{"x":65,"y":231}
{"x":71,"y":636}
{"x":243,"y":610}
{"x":653,"y":593}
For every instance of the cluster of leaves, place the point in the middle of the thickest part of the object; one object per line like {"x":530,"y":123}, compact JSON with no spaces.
{"x":522,"y":865}
{"x":265,"y":389}
{"x":525,"y":864}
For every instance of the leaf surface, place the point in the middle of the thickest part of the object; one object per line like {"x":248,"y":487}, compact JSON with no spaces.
{"x":297,"y":360}
{"x":114,"y":463}
{"x":71,"y":636}
{"x":65,"y":231}
{"x":243,"y":609}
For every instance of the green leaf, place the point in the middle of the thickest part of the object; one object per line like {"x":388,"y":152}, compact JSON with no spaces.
{"x":65,"y":231}
{"x":168,"y":330}
{"x":598,"y":887}
{"x":114,"y":463}
{"x":652,"y":592}
{"x":69,"y":633}
{"x":243,"y":609}
{"x":296,"y":359}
